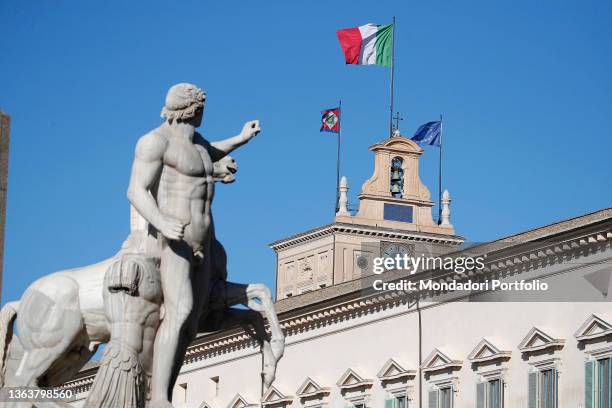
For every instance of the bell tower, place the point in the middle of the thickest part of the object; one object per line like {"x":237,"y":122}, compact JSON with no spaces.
{"x":394,"y":216}
{"x":395,"y":196}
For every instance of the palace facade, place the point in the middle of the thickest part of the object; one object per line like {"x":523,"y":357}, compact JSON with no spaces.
{"x":349,"y":345}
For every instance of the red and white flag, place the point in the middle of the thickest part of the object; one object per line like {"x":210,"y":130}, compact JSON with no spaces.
{"x":330,"y":120}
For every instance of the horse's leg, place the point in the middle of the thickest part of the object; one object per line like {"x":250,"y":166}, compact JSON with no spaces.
{"x":69,"y":365}
{"x":64,"y":369}
{"x":266,"y":307}
{"x":223,"y":296}
{"x":48,"y":324}
{"x":259,"y":299}
{"x":250,"y":317}
{"x":246,"y":318}
{"x":34,"y":365}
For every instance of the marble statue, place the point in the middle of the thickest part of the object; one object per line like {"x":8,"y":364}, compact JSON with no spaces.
{"x":132,"y":302}
{"x":62,"y":318}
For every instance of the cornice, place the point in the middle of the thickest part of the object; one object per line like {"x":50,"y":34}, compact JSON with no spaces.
{"x":366,"y":231}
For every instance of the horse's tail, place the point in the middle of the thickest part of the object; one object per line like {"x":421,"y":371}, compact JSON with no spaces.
{"x":8,"y":313}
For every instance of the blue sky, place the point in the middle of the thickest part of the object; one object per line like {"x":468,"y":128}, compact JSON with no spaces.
{"x":524,"y":88}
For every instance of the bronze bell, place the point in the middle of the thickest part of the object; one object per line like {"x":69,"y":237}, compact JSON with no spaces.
{"x":395,"y":188}
{"x":396,"y":175}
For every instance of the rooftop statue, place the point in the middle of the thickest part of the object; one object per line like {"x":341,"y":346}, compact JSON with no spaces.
{"x":167,"y":283}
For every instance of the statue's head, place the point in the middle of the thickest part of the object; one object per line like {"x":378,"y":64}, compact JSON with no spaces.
{"x":184,"y":103}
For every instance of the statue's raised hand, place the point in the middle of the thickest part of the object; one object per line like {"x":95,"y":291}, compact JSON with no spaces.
{"x":250,"y":130}
{"x":172,"y":228}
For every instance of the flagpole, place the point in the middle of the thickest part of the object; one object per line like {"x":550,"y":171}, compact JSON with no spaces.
{"x":392,"y":77}
{"x":338,"y":160}
{"x":440,"y":176}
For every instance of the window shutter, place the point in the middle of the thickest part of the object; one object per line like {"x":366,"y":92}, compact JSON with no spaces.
{"x":389,"y":402}
{"x":609,"y":382}
{"x":480,"y":395}
{"x":433,"y":399}
{"x":555,"y":394}
{"x":588,"y":384}
{"x":533,"y":390}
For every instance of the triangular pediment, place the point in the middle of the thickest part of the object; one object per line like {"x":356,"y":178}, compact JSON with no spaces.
{"x":274,"y":396}
{"x":239,"y":402}
{"x":438,"y":360}
{"x":392,"y":370}
{"x":351,"y":379}
{"x":310,"y":387}
{"x":593,"y":327}
{"x":205,"y":404}
{"x":486,"y":351}
{"x":537,"y":339}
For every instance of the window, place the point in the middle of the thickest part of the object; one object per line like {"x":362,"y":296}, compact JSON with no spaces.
{"x":543,"y":388}
{"x":490,"y":394}
{"x":442,"y":398}
{"x":446,"y":398}
{"x":396,"y":402}
{"x":598,"y":384}
{"x":180,"y":393}
{"x":213,"y":387}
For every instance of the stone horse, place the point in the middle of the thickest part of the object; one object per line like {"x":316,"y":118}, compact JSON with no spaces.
{"x":61,"y":318}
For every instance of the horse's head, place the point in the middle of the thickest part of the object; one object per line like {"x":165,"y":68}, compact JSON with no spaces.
{"x":225,"y":170}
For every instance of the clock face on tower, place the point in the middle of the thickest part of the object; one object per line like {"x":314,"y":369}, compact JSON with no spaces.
{"x":392,"y":249}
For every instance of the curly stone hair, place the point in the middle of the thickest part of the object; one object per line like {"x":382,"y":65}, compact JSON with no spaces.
{"x":182,"y":102}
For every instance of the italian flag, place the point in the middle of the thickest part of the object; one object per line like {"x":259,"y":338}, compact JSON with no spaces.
{"x":370,"y":44}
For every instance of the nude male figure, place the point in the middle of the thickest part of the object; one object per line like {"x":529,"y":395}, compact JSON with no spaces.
{"x":172,"y":187}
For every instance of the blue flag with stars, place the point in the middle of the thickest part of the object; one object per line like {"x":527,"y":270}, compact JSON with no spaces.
{"x":428,"y":134}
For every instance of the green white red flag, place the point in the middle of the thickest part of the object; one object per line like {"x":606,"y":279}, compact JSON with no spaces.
{"x":370,"y":44}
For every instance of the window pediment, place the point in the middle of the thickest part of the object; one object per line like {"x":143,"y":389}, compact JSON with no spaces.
{"x":350,"y":379}
{"x":274,"y":397}
{"x":487,"y":351}
{"x":537,"y":340}
{"x":310,"y":388}
{"x":594,"y":327}
{"x":239,"y":402}
{"x":437,"y":360}
{"x":392,"y":370}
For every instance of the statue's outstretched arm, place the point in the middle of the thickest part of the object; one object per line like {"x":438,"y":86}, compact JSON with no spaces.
{"x":249,"y":131}
{"x":145,"y":172}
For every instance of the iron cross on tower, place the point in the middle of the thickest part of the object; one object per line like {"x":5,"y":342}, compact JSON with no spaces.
{"x":397,"y":119}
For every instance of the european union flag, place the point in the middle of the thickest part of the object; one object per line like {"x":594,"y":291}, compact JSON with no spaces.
{"x":428,"y":134}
